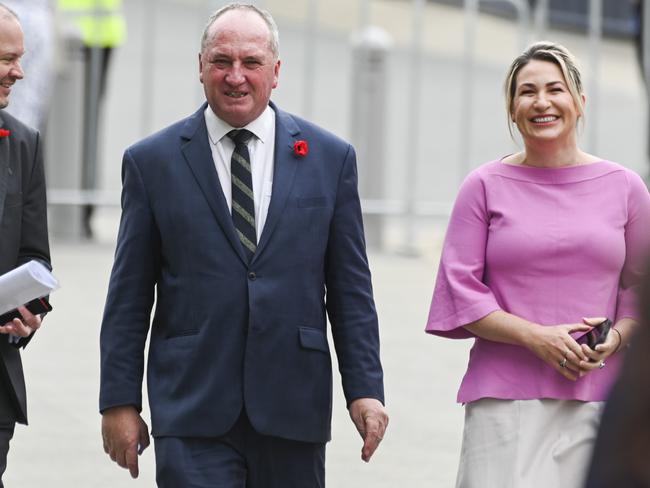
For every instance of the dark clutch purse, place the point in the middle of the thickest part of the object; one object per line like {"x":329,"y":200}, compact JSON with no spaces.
{"x":36,"y":306}
{"x":597,"y":335}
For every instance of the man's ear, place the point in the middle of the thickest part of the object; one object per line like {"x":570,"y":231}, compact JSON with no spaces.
{"x":276,"y":73}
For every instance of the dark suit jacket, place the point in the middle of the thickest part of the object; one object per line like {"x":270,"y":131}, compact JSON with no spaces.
{"x":23,"y":237}
{"x":227,"y":334}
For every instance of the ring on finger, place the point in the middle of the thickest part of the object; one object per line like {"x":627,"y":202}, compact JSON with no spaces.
{"x":563,"y":363}
{"x":601,"y":365}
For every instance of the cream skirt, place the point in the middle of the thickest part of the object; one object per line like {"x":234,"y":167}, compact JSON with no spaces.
{"x":527,"y":443}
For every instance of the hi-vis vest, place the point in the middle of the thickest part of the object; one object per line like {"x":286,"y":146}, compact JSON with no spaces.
{"x":100,"y":22}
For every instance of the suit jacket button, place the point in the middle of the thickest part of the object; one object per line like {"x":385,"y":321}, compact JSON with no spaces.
{"x":252,"y":276}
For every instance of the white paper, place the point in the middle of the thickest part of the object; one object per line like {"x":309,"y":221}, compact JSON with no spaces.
{"x":24,"y":283}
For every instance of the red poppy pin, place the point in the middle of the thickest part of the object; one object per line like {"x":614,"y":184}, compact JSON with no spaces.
{"x":4,"y":133}
{"x":300,"y":148}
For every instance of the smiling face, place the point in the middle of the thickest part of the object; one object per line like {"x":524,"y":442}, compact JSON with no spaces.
{"x":11,"y":50}
{"x":237,"y":67}
{"x":542,"y":106}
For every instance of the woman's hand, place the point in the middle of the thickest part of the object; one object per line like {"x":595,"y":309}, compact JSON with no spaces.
{"x":596,"y":357}
{"x":555,"y":346}
{"x":552,"y":344}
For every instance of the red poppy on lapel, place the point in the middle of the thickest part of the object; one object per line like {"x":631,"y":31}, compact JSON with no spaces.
{"x":4,"y":133}
{"x":300,"y":148}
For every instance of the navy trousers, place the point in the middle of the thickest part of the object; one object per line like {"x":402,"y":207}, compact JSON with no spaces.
{"x":6,"y":433}
{"x":242,"y":458}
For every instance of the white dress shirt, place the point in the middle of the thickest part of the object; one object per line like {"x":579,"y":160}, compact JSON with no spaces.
{"x":260,"y":148}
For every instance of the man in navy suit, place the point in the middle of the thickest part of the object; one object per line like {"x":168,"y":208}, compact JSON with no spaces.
{"x":23,"y":226}
{"x":239,"y":369}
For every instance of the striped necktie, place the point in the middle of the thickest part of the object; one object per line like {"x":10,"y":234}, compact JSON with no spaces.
{"x":243,"y":206}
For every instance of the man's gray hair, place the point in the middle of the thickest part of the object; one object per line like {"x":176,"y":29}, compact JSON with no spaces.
{"x":274,"y":39}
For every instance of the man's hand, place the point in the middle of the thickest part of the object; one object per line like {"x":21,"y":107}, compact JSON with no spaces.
{"x":24,"y":327}
{"x":125,"y":436}
{"x":370,"y":419}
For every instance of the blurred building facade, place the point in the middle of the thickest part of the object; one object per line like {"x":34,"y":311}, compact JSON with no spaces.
{"x":459,"y":120}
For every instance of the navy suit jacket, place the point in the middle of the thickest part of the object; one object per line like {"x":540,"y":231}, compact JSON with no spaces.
{"x":227,"y":334}
{"x":23,"y":237}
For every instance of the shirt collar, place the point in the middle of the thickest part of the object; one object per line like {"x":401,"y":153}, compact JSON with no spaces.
{"x":260,"y":127}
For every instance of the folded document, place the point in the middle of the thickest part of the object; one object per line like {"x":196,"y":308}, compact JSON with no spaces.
{"x":26,"y":284}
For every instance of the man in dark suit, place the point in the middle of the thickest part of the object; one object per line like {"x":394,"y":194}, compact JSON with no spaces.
{"x":248,"y":238}
{"x":23,"y":226}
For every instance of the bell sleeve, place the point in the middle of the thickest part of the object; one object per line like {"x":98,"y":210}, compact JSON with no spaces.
{"x":460,"y":296}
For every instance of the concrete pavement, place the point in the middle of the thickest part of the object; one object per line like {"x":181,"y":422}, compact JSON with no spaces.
{"x":62,"y":445}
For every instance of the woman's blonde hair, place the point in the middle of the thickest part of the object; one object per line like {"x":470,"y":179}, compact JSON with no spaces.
{"x":553,"y":53}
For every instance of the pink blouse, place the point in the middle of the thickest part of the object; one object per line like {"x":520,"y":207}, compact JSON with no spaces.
{"x":551,"y":245}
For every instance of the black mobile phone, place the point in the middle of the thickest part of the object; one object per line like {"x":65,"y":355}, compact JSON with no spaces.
{"x":597,"y":335}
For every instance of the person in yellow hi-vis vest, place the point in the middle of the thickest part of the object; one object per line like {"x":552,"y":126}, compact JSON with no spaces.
{"x":101,"y":27}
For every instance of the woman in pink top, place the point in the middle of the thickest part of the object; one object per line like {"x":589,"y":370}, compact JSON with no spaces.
{"x":541,"y":245}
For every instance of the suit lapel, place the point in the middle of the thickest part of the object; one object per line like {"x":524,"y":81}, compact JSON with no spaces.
{"x":198,"y":155}
{"x":284,"y":172}
{"x":4,"y":170}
